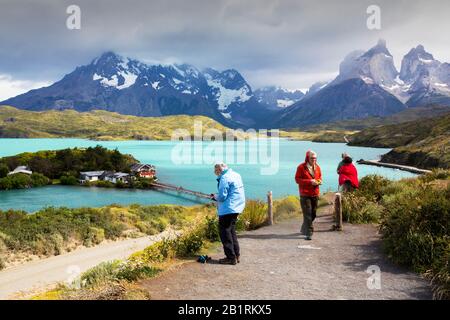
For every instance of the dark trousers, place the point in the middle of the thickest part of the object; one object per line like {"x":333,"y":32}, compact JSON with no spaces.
{"x":347,"y":187}
{"x":309,"y":208}
{"x":227,"y":228}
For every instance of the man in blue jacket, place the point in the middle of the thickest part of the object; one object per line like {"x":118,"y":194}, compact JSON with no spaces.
{"x":230,"y":202}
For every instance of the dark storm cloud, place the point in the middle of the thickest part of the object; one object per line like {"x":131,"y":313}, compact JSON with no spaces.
{"x":287,"y":42}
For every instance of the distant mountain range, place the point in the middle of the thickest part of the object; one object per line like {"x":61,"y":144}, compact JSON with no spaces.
{"x":368,"y":84}
{"x":114,"y":83}
{"x":277,"y":96}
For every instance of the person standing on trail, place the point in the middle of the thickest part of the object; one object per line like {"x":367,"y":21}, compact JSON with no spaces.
{"x":309,"y":177}
{"x":230,"y":203}
{"x":348,"y":175}
{"x":343,"y":155}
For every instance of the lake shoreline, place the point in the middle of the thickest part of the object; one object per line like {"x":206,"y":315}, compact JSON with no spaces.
{"x":284,"y":157}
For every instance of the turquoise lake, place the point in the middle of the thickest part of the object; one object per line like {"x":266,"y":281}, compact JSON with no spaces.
{"x":196,"y":176}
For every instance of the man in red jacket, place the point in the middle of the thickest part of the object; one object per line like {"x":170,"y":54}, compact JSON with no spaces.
{"x":348,"y":175}
{"x":308,"y":178}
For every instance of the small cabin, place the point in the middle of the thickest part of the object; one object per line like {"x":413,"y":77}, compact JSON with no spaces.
{"x":115,"y":177}
{"x":88,"y":176}
{"x":143,"y":170}
{"x":21,"y":169}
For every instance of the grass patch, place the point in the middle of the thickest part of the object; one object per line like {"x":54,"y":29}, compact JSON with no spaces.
{"x":52,"y":231}
{"x":97,"y":125}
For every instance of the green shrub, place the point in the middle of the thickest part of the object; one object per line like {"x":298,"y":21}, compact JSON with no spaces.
{"x":146,"y":227}
{"x":132,"y":272}
{"x":357,"y":209}
{"x":2,"y":263}
{"x":436,"y":174}
{"x":159,"y":224}
{"x":107,"y":273}
{"x":103,"y":184}
{"x":102,"y":273}
{"x":121,"y":185}
{"x":22,"y":181}
{"x":188,"y":244}
{"x":371,"y":187}
{"x":39,"y":180}
{"x":3,"y":242}
{"x":154,"y":253}
{"x":3,"y":249}
{"x":286,"y":207}
{"x":440,"y":278}
{"x":5,"y":184}
{"x":42,"y":245}
{"x":57,"y":243}
{"x":16,"y":181}
{"x":415,"y":231}
{"x":69,"y":180}
{"x":4,"y":170}
{"x":253,"y":216}
{"x":212,"y":228}
{"x":93,"y":236}
{"x":114,"y":230}
{"x":399,"y":186}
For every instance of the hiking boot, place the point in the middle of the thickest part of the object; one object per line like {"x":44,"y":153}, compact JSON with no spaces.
{"x":237,"y":259}
{"x":308,"y":238}
{"x":227,"y":261}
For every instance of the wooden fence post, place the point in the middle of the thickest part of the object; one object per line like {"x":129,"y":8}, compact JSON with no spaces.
{"x":270,"y":208}
{"x":338,"y":211}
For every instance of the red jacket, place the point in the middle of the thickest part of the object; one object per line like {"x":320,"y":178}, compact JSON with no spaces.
{"x":304,"y":179}
{"x":347,"y":172}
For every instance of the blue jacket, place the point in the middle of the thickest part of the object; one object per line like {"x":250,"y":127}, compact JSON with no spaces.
{"x":231,"y":195}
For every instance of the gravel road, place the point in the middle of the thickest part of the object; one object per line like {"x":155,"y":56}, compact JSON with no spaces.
{"x":43,"y":273}
{"x":276,"y":263}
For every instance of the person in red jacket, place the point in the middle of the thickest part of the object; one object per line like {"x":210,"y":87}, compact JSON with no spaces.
{"x":309,"y":178}
{"x":348,"y":175}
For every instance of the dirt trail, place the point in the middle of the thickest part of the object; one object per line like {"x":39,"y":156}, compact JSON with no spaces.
{"x":40,"y":274}
{"x":331,"y":266}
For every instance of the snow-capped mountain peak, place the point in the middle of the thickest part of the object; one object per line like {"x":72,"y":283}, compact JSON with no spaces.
{"x":379,"y":48}
{"x":278,"y":96}
{"x":121,"y":84}
{"x":422,"y":79}
{"x":375,"y":66}
{"x":315,"y":87}
{"x":428,"y":79}
{"x":112,"y":70}
{"x":223,"y":88}
{"x":228,"y":87}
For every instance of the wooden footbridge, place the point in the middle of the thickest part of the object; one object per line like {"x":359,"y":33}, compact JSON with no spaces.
{"x":179,"y":189}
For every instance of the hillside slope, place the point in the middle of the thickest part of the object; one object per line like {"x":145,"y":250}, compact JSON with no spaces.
{"x":98,"y":125}
{"x":421,"y":143}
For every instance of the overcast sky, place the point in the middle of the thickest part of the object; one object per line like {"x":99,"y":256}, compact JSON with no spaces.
{"x":288,"y":43}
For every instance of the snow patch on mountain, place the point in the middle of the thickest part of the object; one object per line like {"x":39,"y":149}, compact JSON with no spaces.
{"x":178,"y":70}
{"x":226,"y":115}
{"x":283,"y":103}
{"x":226,"y":96}
{"x":128,"y":80}
{"x":278,"y":97}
